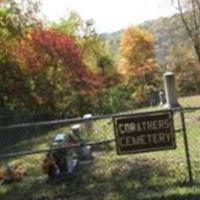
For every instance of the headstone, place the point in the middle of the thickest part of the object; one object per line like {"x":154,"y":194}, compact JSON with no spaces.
{"x":76,"y":131}
{"x":154,"y":96}
{"x":162,"y":98}
{"x":85,"y":153}
{"x":88,"y":123}
{"x":170,"y":90}
{"x":72,"y":166}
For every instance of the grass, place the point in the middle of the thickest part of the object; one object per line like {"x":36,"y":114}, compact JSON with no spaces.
{"x":147,"y":176}
{"x":190,"y":101}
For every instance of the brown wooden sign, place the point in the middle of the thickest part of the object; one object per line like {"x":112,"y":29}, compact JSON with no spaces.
{"x":144,"y":132}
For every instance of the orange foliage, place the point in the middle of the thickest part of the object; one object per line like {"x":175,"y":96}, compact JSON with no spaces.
{"x":12,"y":173}
{"x":137,"y":53}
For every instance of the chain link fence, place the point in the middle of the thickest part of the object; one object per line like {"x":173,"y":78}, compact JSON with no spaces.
{"x":192,"y":120}
{"x":103,"y":174}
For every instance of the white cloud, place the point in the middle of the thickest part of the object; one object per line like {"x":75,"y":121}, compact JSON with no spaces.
{"x":109,"y":15}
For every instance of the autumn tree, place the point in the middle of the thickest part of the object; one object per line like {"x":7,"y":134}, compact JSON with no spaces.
{"x":97,"y":55}
{"x":58,"y":79}
{"x":16,"y":19}
{"x":137,"y":62}
{"x":95,"y":52}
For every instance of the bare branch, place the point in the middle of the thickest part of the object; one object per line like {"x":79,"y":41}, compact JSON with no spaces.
{"x":198,"y":9}
{"x":195,"y":22}
{"x":189,"y":31}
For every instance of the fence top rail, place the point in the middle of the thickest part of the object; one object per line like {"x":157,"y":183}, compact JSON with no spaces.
{"x":73,"y":120}
{"x":94,"y":118}
{"x":193,"y":108}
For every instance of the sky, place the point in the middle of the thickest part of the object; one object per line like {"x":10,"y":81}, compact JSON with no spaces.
{"x":109,"y":15}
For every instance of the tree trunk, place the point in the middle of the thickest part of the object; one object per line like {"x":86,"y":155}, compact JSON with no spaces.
{"x":197,"y":50}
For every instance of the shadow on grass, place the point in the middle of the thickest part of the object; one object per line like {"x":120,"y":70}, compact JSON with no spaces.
{"x":178,"y":197}
{"x":117,"y":179}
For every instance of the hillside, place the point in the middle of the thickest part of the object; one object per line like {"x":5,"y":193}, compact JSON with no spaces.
{"x":169,"y":32}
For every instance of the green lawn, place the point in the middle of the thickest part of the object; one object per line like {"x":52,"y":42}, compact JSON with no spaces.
{"x":155,"y":175}
{"x":190,"y":101}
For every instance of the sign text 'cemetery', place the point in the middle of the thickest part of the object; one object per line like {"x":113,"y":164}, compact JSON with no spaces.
{"x":144,"y":132}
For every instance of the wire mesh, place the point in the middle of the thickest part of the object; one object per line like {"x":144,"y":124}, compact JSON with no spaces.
{"x":192,"y":119}
{"x":105,"y":175}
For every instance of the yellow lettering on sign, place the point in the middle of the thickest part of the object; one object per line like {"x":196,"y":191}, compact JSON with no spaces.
{"x":128,"y":128}
{"x":150,"y":139}
{"x":121,"y":128}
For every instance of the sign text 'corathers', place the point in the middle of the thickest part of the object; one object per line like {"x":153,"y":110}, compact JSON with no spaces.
{"x":144,"y":132}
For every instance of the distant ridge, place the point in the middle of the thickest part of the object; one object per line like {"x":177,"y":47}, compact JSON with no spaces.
{"x":168,"y":32}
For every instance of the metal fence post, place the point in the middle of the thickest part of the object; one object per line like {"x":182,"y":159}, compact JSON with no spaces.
{"x":187,"y":152}
{"x":172,"y":102}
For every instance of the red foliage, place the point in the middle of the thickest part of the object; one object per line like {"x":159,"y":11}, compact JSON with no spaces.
{"x":28,"y":59}
{"x":44,"y":48}
{"x":56,"y":45}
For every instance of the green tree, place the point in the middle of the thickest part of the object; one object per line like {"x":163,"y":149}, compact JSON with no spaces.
{"x":18,"y":16}
{"x":182,"y":61}
{"x":95,"y":51}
